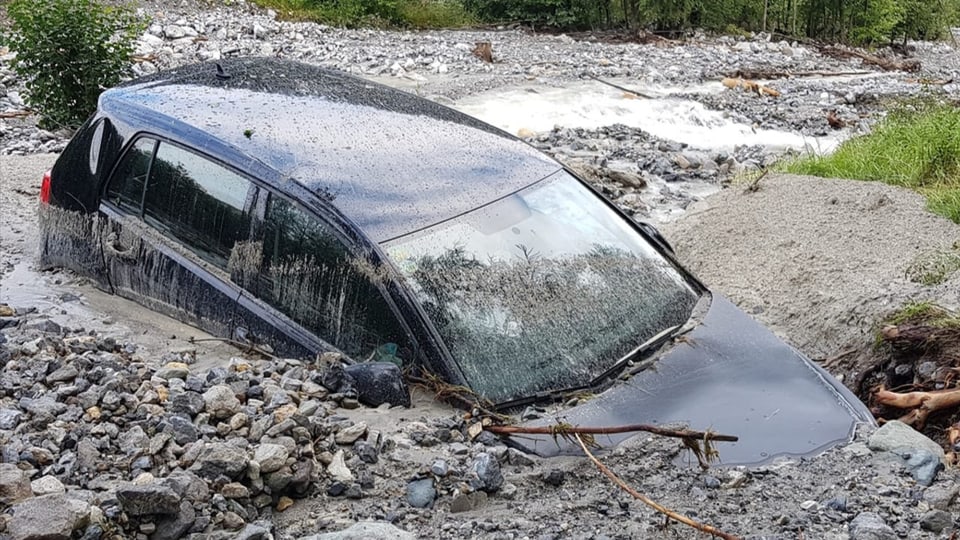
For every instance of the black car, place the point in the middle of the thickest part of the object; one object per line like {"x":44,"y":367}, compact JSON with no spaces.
{"x":314,"y":211}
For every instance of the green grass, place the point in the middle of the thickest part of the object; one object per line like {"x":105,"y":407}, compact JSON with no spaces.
{"x":377,"y":13}
{"x":917,"y":146}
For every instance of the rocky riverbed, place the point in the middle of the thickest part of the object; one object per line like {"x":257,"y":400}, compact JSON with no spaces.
{"x":114,"y":424}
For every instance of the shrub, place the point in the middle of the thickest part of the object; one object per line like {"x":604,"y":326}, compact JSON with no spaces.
{"x":69,"y":51}
{"x":916,"y":146}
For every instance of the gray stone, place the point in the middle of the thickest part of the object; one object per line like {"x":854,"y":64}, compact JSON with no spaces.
{"x":219,"y":458}
{"x":936,"y":521}
{"x":46,"y":485}
{"x":895,"y":434}
{"x":378,"y":383}
{"x":253,"y":532}
{"x":439,"y":468}
{"x":270,"y":457}
{"x":64,"y":374}
{"x":487,"y":469}
{"x":870,"y":526}
{"x":9,"y":418}
{"x":174,"y":370}
{"x":188,"y":402}
{"x":365,"y":530}
{"x":50,"y":517}
{"x":421,"y":493}
{"x":349,"y":435}
{"x":942,"y":495}
{"x":14,"y":484}
{"x":922,"y":464}
{"x":220,"y":402}
{"x":338,"y":469}
{"x":174,"y":526}
{"x":148,"y":500}
{"x":182,"y":429}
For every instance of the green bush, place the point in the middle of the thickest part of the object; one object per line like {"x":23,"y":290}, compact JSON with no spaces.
{"x":916,"y":146}
{"x":69,"y":51}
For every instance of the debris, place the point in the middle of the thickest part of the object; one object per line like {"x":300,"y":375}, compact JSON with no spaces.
{"x":750,"y":86}
{"x":835,"y":121}
{"x":886,"y":64}
{"x":775,"y":74}
{"x":484,"y":51}
{"x":628,"y":91}
{"x":670,"y":514}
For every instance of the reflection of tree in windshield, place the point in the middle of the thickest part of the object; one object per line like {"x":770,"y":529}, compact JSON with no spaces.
{"x":534,"y":323}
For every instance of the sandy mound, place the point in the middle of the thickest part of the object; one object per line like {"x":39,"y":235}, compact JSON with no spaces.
{"x":819,"y":261}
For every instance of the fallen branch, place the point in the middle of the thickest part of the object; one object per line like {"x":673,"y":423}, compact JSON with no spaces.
{"x":773,"y":74}
{"x":577,"y":430}
{"x":649,"y":502}
{"x":15,"y":114}
{"x":922,"y":403}
{"x":750,"y":86}
{"x":621,"y":88}
{"x":886,"y":64}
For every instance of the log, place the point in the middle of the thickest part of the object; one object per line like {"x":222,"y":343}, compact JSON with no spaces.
{"x":886,"y":64}
{"x":922,"y":403}
{"x":656,"y":430}
{"x":774,"y":74}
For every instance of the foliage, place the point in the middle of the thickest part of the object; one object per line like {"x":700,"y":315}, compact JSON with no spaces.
{"x":415,"y":13}
{"x":916,"y":146}
{"x":69,"y":51}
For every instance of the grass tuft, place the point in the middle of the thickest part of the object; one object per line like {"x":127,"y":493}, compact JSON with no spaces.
{"x":916,"y":146}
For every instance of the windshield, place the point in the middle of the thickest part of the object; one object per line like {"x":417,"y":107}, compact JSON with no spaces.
{"x":543,"y":290}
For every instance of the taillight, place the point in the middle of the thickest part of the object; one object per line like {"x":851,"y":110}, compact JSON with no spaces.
{"x":45,"y":188}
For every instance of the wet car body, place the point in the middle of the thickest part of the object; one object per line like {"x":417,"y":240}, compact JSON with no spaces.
{"x":285,"y":204}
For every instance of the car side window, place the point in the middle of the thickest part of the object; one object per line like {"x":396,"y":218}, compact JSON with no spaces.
{"x":130,"y":177}
{"x":308,"y":274}
{"x":198,"y":202}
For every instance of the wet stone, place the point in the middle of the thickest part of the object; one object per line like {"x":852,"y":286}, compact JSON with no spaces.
{"x":421,"y":493}
{"x":377,"y":383}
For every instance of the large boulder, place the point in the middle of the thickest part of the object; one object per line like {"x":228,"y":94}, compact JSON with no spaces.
{"x":14,"y":484}
{"x":50,"y":517}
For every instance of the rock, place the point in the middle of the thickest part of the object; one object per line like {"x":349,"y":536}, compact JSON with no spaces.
{"x":895,"y":434}
{"x":365,"y":530}
{"x":173,"y":31}
{"x":235,"y":490}
{"x":148,"y":499}
{"x":9,"y":418}
{"x":509,"y":491}
{"x":50,"y":517}
{"x":253,"y":532}
{"x":439,"y":468}
{"x":870,"y":526}
{"x":377,"y":383}
{"x":172,"y":527}
{"x":922,"y":464}
{"x":936,"y":521}
{"x":338,"y":469}
{"x":942,"y":495}
{"x":14,"y":484}
{"x":46,"y":485}
{"x":554,"y":477}
{"x":220,"y":402}
{"x":232,"y":521}
{"x":465,"y":502}
{"x":487,"y":471}
{"x":65,"y":374}
{"x":366,"y":451}
{"x":221,"y":459}
{"x":270,"y":457}
{"x":627,"y":178}
{"x":174,"y":370}
{"x":349,"y":435}
{"x":182,"y":429}
{"x":421,"y":493}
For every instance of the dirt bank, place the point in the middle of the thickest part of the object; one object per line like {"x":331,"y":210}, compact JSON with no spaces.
{"x":820,"y":261}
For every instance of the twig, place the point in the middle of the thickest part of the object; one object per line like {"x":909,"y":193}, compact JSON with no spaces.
{"x":649,"y":502}
{"x":577,"y":430}
{"x":755,"y":184}
{"x":621,"y":88}
{"x":246,"y":347}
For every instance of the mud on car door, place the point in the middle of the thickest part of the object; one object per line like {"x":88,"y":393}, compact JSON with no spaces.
{"x":174,"y":217}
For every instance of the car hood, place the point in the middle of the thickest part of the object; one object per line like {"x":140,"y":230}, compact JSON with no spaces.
{"x":730,"y":375}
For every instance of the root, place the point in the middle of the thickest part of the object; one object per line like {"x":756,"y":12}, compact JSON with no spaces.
{"x":670,"y":514}
{"x":922,"y":403}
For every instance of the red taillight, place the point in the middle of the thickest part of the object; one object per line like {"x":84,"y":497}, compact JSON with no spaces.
{"x":45,"y":188}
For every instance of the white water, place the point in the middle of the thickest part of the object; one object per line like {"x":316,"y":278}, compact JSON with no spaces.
{"x":591,"y":105}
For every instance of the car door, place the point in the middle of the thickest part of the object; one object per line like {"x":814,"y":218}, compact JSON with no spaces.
{"x":313,"y":288}
{"x":175,"y":218}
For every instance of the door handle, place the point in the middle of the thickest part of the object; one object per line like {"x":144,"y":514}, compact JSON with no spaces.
{"x":113,"y":247}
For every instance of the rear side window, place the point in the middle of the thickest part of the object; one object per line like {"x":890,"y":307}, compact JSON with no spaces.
{"x":130,"y":178}
{"x":310,"y":276}
{"x":199,"y":202}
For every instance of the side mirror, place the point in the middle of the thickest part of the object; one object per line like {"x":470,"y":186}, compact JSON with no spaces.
{"x":656,"y":236}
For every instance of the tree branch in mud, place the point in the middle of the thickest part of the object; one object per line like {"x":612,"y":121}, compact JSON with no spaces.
{"x":709,"y":529}
{"x":922,"y":403}
{"x":691,"y":439}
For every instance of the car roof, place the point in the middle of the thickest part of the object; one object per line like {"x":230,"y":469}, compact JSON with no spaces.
{"x":391,"y":162}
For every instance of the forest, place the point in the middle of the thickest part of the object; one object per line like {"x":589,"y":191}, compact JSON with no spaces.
{"x":853,"y":21}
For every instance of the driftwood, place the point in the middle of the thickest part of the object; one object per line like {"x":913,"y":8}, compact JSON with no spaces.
{"x":835,"y":121}
{"x":15,"y":114}
{"x":577,"y":430}
{"x":774,"y":74}
{"x":922,"y":403}
{"x":628,"y":91}
{"x":750,"y":86}
{"x":709,"y":529}
{"x":886,"y":64}
{"x":484,"y":51}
